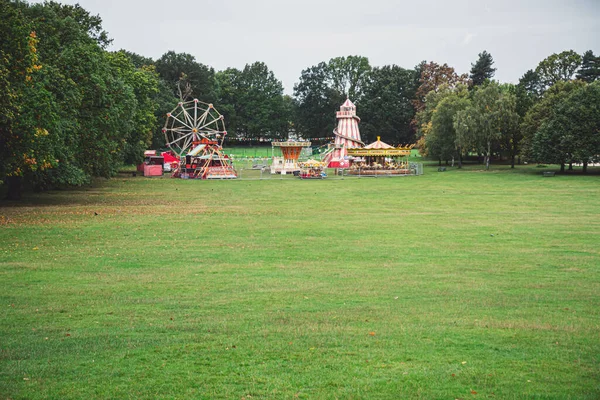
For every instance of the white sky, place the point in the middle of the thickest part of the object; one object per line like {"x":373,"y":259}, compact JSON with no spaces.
{"x":290,"y":36}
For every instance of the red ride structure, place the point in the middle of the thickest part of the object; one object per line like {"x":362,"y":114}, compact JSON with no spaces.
{"x":195,"y":132}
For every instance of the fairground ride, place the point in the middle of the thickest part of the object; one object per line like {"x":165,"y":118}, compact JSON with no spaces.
{"x":195,"y":132}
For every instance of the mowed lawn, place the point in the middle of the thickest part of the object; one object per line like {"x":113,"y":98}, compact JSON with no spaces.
{"x":463,"y":284}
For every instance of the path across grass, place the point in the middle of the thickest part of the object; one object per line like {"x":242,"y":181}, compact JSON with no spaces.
{"x":462,"y":284}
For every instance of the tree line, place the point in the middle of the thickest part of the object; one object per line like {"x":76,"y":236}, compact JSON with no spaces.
{"x":551,"y":116}
{"x":71,"y":110}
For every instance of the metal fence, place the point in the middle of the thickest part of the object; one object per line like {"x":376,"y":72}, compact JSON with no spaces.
{"x":260,"y":169}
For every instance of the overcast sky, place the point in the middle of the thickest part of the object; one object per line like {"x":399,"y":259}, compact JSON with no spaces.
{"x":290,"y":36}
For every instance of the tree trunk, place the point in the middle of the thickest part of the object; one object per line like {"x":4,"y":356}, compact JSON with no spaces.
{"x":562,"y":167}
{"x":570,"y":165}
{"x":479,"y":157}
{"x":15,"y":187}
{"x":459,"y":159}
{"x":487,"y":156}
{"x":446,"y":162}
{"x":585,"y":167}
{"x":512,"y":161}
{"x":440,"y":160}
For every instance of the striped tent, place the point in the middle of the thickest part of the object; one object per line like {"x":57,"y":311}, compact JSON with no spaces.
{"x":347,"y":136}
{"x":379,"y":145}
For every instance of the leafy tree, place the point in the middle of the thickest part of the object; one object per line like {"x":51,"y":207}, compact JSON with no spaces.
{"x":138,"y":61}
{"x":316,"y":102}
{"x":348,"y":76}
{"x":386,"y":106}
{"x":509,"y":120}
{"x":482,"y":69}
{"x":541,"y":112}
{"x":173,"y":67}
{"x":442,"y":141}
{"x":572,"y":131}
{"x":144,"y":82}
{"x":590,"y":67}
{"x":558,"y":67}
{"x":434,"y":76}
{"x":490,"y":116}
{"x":253,"y":103}
{"x":323,"y":88}
{"x":70,"y":110}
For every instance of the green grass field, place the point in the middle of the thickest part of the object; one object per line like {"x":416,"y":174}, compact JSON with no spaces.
{"x":463,"y":284}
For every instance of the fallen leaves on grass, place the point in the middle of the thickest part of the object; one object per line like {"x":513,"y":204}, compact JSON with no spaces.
{"x":372,"y":333}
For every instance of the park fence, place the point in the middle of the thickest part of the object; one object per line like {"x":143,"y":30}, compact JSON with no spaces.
{"x":260,"y":169}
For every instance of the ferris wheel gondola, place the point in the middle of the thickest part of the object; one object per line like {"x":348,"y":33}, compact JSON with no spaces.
{"x":191,"y":123}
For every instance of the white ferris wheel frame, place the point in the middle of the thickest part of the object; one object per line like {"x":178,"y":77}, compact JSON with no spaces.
{"x":190,"y":122}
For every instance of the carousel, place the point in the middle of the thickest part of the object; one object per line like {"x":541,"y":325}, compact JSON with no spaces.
{"x":312,"y":169}
{"x":379,"y":158}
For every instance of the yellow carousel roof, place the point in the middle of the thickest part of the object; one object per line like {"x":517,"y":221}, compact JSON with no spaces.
{"x":381,"y":149}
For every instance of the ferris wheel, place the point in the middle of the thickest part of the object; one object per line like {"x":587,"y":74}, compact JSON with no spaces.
{"x":193,"y":122}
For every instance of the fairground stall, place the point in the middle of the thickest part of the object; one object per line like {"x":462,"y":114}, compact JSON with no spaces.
{"x":194,"y":132}
{"x":379,"y":158}
{"x":288,"y":164}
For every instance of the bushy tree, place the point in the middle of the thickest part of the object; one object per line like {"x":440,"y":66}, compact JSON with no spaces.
{"x":542,"y":111}
{"x":182,"y":68}
{"x":73,"y":110}
{"x":323,"y":88}
{"x":557,"y":67}
{"x":571,"y":133}
{"x":590,"y":67}
{"x":386,"y":107}
{"x":253,"y":103}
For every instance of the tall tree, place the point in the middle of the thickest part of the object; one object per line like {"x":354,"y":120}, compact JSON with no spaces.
{"x":386,"y":107}
{"x":442,"y":141}
{"x":590,"y":67}
{"x":482,"y":70}
{"x":509,"y":120}
{"x":489,"y":117}
{"x":348,"y":76}
{"x":558,"y":67}
{"x":253,"y":103}
{"x":572,"y":131}
{"x":173,"y":67}
{"x":540,"y":113}
{"x":434,"y":76}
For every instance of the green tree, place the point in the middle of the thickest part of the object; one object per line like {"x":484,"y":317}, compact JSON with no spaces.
{"x":316,"y":102}
{"x":173,"y":67}
{"x":348,"y":76}
{"x":540,"y":113}
{"x":590,"y":67}
{"x":434,"y":76}
{"x":558,"y":67}
{"x":144,"y":82}
{"x":386,"y":106}
{"x":490,"y":116}
{"x":572,"y":131}
{"x":509,"y":120}
{"x":442,"y":141}
{"x":482,"y":70}
{"x":253,"y":103}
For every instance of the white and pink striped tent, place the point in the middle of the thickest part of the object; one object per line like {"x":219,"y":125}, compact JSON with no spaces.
{"x":347,"y":136}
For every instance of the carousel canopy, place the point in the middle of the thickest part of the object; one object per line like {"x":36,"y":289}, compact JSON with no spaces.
{"x":380,"y":149}
{"x":379,"y":145}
